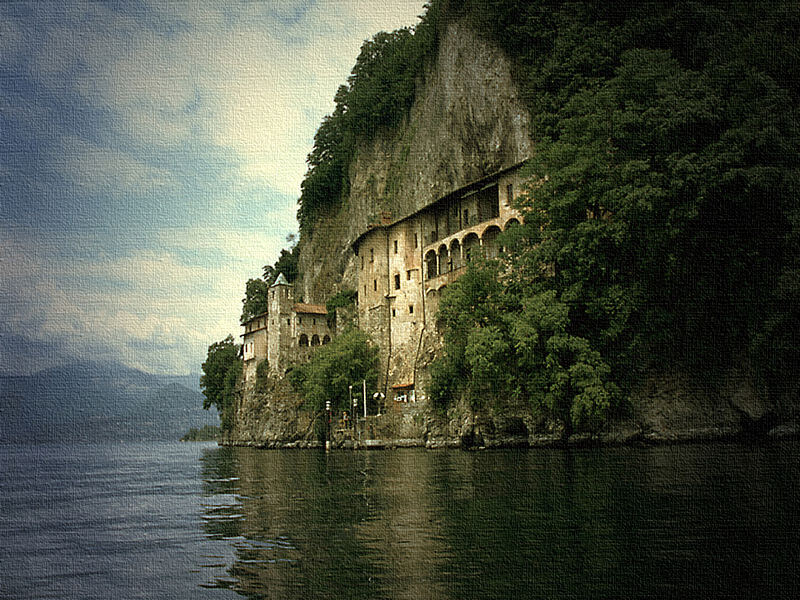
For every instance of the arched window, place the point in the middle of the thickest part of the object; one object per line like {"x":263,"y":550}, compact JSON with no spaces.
{"x":430,"y":264}
{"x":444,"y":260}
{"x":455,"y":255}
{"x":490,"y":247}
{"x":471,"y":247}
{"x":303,"y":341}
{"x":326,"y":339}
{"x":315,"y":340}
{"x":511,"y":223}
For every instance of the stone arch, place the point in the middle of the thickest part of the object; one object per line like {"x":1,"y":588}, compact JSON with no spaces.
{"x":472,"y":245}
{"x":431,"y":259}
{"x":490,"y":246}
{"x":455,"y":255}
{"x":326,"y":339}
{"x":315,"y":340}
{"x":444,"y":260}
{"x":303,"y":341}
{"x":511,"y":223}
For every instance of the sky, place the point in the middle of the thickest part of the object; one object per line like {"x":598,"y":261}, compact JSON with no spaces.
{"x":151,"y":155}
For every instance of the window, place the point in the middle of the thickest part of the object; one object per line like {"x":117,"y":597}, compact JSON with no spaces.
{"x":365,"y":291}
{"x":397,"y":281}
{"x":362,"y":263}
{"x":509,"y":193}
{"x":466,"y":217}
{"x":374,"y":285}
{"x":416,"y":241}
{"x":411,"y":309}
{"x":408,"y":275}
{"x":313,"y":321}
{"x":395,"y":246}
{"x":394,"y":312}
{"x":288,"y":321}
{"x":371,"y":255}
{"x":299,"y":320}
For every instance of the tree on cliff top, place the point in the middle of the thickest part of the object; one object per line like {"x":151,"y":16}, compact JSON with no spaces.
{"x":377,"y":95}
{"x":221,"y":371}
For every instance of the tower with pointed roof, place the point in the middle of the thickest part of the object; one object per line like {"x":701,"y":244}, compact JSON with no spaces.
{"x":280,"y":323}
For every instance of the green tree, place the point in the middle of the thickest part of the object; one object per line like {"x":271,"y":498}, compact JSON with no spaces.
{"x":347,"y":360}
{"x":221,"y":370}
{"x":286,"y":264}
{"x":256,"y":299}
{"x":378,"y":94}
{"x":661,"y":221}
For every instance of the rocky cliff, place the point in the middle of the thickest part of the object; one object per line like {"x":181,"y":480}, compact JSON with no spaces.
{"x":467,"y":121}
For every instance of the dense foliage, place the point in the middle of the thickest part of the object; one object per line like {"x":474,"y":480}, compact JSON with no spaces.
{"x":377,"y":95}
{"x":347,"y":360}
{"x":256,"y":293}
{"x":662,"y":223}
{"x":341,"y":299}
{"x":286,"y":264}
{"x":221,"y":370}
{"x":256,"y":299}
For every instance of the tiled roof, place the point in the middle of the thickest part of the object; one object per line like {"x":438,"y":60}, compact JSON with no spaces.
{"x":310,"y":309}
{"x":402,"y":386}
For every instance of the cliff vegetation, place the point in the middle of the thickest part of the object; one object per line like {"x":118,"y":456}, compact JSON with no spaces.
{"x":662,"y":222}
{"x":660,"y":253}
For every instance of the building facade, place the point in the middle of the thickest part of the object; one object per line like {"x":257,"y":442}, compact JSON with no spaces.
{"x":404,"y":265}
{"x":286,"y":333}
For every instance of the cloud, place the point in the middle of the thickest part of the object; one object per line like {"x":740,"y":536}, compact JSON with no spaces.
{"x":175,"y":297}
{"x":151,"y":161}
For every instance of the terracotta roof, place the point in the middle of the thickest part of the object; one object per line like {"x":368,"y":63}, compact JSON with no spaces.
{"x":310,"y":309}
{"x":402,"y":386}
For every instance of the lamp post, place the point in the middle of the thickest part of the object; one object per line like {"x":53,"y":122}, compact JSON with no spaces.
{"x":328,"y":436}
{"x":378,"y":397}
{"x":353,"y":413}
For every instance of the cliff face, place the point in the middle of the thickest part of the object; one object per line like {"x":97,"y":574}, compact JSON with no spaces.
{"x":466,"y":122}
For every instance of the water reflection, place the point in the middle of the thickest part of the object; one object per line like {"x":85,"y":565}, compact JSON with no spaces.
{"x":672,"y":521}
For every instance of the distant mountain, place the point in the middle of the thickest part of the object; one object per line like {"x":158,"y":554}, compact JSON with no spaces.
{"x":99,"y":400}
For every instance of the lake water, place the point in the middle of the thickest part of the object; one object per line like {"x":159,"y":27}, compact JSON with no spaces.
{"x":170,"y":520}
